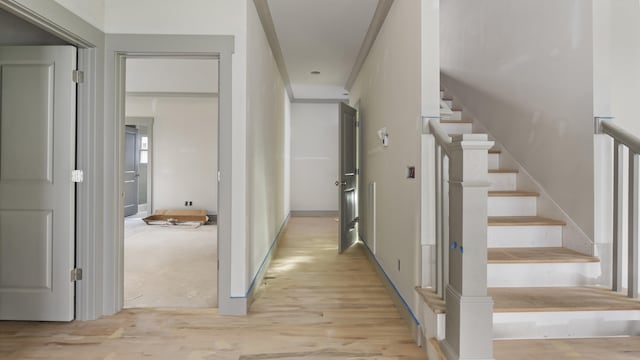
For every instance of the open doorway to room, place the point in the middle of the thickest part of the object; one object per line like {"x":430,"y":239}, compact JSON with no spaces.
{"x":170,"y":168}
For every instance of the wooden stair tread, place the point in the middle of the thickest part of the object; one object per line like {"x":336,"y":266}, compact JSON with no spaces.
{"x":431,"y":298}
{"x":523,"y":221}
{"x":495,"y":151}
{"x":537,"y":255}
{"x":503,"y":171}
{"x":513,"y":193}
{"x":446,"y":121}
{"x":539,"y":299}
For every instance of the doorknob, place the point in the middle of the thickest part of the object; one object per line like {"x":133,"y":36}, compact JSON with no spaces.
{"x":343,"y":183}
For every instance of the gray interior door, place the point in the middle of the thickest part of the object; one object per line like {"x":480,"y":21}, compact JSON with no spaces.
{"x":348,"y":180}
{"x":37,"y":195}
{"x":131,"y":174}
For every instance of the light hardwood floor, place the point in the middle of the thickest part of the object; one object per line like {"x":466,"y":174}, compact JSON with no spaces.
{"x":622,"y":348}
{"x":315,"y":304}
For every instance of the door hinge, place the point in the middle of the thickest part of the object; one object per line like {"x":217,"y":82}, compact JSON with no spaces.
{"x":357,"y":171}
{"x":78,"y":76}
{"x":76,"y":274}
{"x":77,"y":176}
{"x":219,"y":175}
{"x":357,"y":124}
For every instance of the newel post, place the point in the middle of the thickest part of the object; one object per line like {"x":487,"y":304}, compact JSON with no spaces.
{"x":469,"y":324}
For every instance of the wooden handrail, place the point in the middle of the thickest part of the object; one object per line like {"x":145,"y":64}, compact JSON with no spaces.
{"x":621,"y":135}
{"x":442,"y":138}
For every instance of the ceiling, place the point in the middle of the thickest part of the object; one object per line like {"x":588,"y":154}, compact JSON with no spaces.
{"x":328,"y":36}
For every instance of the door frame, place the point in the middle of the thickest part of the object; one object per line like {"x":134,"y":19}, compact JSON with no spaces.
{"x":119,"y":47}
{"x":89,"y":41}
{"x":97,"y":240}
{"x":148,"y":123}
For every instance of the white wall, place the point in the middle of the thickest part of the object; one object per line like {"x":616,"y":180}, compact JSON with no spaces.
{"x":266,"y":103}
{"x":92,"y":11}
{"x":172,"y":75}
{"x":314,"y":150}
{"x":524,"y":69}
{"x":625,"y":63}
{"x":388,"y":89}
{"x":185,"y":149}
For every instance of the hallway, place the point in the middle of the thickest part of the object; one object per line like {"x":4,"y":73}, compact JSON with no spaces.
{"x":315,"y":304}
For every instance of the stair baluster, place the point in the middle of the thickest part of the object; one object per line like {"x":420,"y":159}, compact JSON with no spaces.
{"x":624,"y":141}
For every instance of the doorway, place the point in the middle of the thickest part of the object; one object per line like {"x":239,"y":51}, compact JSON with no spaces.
{"x":168,"y":263}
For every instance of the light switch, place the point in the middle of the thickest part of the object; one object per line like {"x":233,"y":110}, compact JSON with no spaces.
{"x":411,"y":172}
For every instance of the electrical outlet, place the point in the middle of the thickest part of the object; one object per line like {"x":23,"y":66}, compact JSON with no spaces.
{"x":190,"y":203}
{"x":186,"y":203}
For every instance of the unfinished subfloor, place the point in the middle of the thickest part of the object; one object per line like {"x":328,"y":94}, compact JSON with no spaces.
{"x":170,"y":266}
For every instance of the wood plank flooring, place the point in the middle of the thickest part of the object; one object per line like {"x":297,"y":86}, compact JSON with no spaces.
{"x":584,"y":298}
{"x":315,"y":304}
{"x":537,"y":255}
{"x":618,"y":348}
{"x":522,"y":221}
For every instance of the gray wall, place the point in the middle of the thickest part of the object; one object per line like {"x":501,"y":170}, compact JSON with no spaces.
{"x":388,"y":90}
{"x":524,"y":69}
{"x":15,"y":31}
{"x":265,"y":144}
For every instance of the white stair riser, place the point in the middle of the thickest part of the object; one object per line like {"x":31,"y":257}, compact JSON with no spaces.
{"x":512,"y":206}
{"x":457,"y":115}
{"x":524,"y":236}
{"x":567,"y":324}
{"x":433,"y":325}
{"x":502,"y":181}
{"x":543,"y":274}
{"x":456,"y":128}
{"x":441,"y":94}
{"x":494,"y":161}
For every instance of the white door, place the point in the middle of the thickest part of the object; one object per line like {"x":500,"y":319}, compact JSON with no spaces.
{"x":37,"y":156}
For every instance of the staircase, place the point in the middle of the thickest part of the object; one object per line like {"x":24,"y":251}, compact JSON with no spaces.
{"x":540,"y":288}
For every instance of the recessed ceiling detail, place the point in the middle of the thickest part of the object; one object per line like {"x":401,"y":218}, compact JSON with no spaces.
{"x":326,"y":35}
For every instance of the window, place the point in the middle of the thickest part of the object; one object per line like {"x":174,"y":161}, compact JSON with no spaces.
{"x":144,"y":150}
